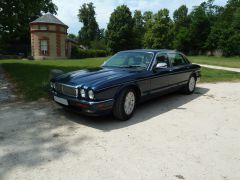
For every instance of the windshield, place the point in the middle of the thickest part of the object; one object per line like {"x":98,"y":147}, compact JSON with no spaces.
{"x":130,"y":60}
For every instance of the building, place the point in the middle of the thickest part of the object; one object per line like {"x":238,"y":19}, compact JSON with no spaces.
{"x":49,"y":38}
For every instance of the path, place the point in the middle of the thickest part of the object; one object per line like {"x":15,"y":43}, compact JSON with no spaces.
{"x":221,"y":68}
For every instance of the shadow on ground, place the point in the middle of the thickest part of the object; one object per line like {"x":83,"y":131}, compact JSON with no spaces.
{"x":144,"y":111}
{"x":32,"y":135}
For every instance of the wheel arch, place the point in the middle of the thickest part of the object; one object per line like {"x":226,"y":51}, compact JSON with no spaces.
{"x":134,"y":86}
{"x":194,"y":74}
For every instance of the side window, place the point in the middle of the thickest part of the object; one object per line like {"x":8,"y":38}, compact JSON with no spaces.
{"x":162,"y":58}
{"x":177,"y":59}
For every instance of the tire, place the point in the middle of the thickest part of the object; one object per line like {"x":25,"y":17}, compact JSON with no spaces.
{"x":125,"y":104}
{"x":190,"y":86}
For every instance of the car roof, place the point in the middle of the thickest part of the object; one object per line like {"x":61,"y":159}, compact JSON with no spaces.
{"x":151,"y":50}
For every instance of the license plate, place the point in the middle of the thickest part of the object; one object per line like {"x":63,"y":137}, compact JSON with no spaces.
{"x":61,"y":100}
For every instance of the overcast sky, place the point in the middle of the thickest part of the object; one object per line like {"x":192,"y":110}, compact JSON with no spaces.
{"x":68,"y":10}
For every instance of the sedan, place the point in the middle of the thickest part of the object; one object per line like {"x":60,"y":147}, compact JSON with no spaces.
{"x":124,"y":80}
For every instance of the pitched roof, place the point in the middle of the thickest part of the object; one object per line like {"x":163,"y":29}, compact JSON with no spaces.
{"x":48,"y":18}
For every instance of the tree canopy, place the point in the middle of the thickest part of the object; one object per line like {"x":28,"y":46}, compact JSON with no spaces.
{"x":159,"y":33}
{"x":90,"y":30}
{"x":206,"y":28}
{"x":119,"y":33}
{"x":15,"y":16}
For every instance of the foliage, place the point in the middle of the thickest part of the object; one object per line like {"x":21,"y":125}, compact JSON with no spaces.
{"x":15,"y":16}
{"x":138,"y":29}
{"x":199,"y":29}
{"x":98,"y":44}
{"x":73,"y":36}
{"x":224,"y":33}
{"x":87,"y":53}
{"x":159,"y":33}
{"x":90,"y":30}
{"x":119,"y":33}
{"x":206,"y":28}
{"x":181,"y":29}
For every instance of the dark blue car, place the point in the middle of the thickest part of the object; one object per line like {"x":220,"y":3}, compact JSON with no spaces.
{"x":125,"y":79}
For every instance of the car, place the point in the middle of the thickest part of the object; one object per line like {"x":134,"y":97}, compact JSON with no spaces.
{"x":124,"y":80}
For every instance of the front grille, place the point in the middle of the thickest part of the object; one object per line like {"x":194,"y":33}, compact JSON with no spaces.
{"x":66,"y":90}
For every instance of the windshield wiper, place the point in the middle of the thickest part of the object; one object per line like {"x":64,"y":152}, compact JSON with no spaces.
{"x":133,"y":66}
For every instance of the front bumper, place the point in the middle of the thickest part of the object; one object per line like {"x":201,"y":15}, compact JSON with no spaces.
{"x":94,"y":108}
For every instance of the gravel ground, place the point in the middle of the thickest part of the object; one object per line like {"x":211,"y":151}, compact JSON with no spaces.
{"x":6,"y":94}
{"x":173,"y":137}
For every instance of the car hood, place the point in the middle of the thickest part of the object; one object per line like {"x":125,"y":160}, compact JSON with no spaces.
{"x":99,"y":78}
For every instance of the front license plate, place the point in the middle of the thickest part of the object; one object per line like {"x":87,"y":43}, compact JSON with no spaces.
{"x":61,"y":100}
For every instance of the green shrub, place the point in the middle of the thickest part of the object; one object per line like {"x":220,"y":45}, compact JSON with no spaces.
{"x":89,"y":53}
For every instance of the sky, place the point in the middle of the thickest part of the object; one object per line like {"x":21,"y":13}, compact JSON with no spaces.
{"x":68,"y":10}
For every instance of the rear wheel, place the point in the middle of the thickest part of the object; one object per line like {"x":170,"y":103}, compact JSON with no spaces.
{"x":125,"y":104}
{"x":191,"y":85}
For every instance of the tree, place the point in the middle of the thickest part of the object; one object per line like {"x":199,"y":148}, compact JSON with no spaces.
{"x":181,"y":29}
{"x":180,"y":17}
{"x":90,"y":30}
{"x":224,"y":34}
{"x":199,"y":29}
{"x":159,"y":32}
{"x":119,"y":33}
{"x":147,"y":17}
{"x":236,"y":19}
{"x":138,"y":29}
{"x":15,"y":16}
{"x":72,"y":36}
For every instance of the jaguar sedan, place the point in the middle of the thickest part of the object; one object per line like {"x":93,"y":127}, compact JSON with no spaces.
{"x":127,"y":78}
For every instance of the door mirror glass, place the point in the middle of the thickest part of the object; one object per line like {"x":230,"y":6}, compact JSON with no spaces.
{"x":161,"y":65}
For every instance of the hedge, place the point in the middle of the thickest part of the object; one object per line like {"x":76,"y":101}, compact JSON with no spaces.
{"x":88,"y":53}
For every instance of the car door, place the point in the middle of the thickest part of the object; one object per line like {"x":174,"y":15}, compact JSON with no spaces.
{"x":160,"y":77}
{"x":180,"y":69}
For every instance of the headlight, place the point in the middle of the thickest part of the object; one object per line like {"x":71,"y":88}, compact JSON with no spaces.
{"x":52,"y":85}
{"x":91,"y":94}
{"x":83,"y":93}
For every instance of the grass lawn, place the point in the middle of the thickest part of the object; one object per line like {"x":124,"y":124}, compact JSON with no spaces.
{"x":32,"y":77}
{"x":218,"y":61}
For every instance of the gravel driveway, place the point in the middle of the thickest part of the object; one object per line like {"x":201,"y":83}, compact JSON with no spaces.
{"x":173,"y":137}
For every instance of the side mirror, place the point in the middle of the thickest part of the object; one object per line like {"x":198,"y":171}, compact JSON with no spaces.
{"x":161,"y":65}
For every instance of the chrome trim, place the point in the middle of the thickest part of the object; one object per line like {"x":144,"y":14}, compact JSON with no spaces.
{"x":98,"y":102}
{"x":151,"y":68}
{"x":62,"y":92}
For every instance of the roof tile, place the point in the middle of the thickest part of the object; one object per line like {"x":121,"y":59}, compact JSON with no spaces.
{"x":48,"y":18}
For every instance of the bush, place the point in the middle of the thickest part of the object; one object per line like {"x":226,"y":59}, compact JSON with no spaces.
{"x":89,"y":53}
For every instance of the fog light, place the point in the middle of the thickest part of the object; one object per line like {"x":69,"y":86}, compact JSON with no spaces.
{"x":91,"y":94}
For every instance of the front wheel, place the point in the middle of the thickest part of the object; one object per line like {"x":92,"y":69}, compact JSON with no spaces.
{"x":125,"y":104}
{"x":190,"y":86}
